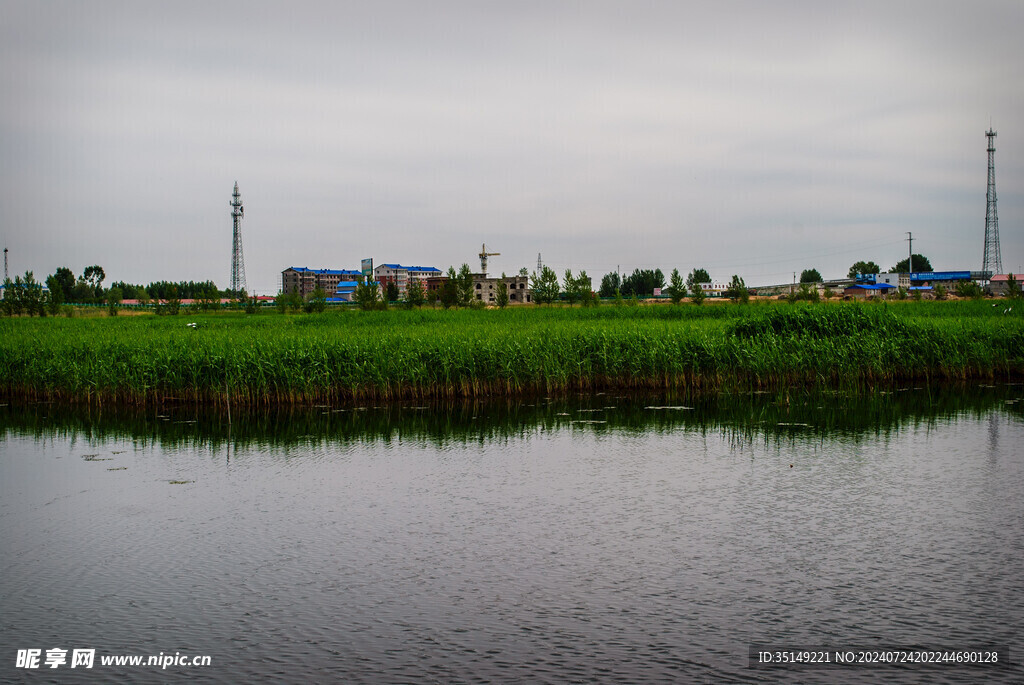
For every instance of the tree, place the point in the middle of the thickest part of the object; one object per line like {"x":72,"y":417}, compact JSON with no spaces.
{"x":863,"y":268}
{"x":676,"y":289}
{"x":114,"y":298}
{"x":610,"y":284}
{"x":1012,"y":287}
{"x":392,"y":291}
{"x":544,"y":286}
{"x":465,"y":285}
{"x":643,"y":282}
{"x":810,"y":276}
{"x":56,"y":296}
{"x":921,"y":263}
{"x":737,"y":290}
{"x":697,"y":293}
{"x":251,"y":305}
{"x":524,"y":272}
{"x":697,"y":276}
{"x":94,"y":275}
{"x":585,"y":289}
{"x":65,"y":279}
{"x":940,"y":291}
{"x":367,"y":295}
{"x":414,"y":296}
{"x":501,"y":293}
{"x":317,"y":302}
{"x":570,"y":287}
{"x":969,"y":289}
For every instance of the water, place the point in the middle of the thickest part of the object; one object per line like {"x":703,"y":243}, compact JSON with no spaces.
{"x":597,"y":539}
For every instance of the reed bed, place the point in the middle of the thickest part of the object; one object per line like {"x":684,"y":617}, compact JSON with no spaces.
{"x":348,"y":356}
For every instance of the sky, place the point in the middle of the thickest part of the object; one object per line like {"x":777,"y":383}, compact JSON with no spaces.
{"x":744,"y":137}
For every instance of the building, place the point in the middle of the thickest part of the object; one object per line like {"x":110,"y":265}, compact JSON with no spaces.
{"x":401,"y":275}
{"x":486,"y":289}
{"x":304,"y":281}
{"x":999,"y":284}
{"x":345,"y":291}
{"x":863,"y":291}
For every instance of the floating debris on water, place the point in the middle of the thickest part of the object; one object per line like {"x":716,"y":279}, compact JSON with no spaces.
{"x":587,"y":421}
{"x":672,"y":408}
{"x":95,"y":457}
{"x":804,"y":425}
{"x":180,"y":482}
{"x":119,"y":452}
{"x":118,"y":468}
{"x":588,"y":411}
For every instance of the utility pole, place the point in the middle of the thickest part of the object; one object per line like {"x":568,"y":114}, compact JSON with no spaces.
{"x":5,"y":263}
{"x":910,"y":262}
{"x":237,"y":260}
{"x":539,"y":265}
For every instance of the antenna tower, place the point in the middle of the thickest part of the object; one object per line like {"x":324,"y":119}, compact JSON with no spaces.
{"x":992,"y":262}
{"x":237,"y":260}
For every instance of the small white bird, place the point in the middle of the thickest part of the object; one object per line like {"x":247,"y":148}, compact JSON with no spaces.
{"x":192,"y":325}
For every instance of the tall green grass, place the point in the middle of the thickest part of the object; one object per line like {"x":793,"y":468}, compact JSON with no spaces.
{"x":352,"y":355}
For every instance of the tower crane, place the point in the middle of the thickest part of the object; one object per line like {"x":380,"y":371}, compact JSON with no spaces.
{"x":484,"y":254}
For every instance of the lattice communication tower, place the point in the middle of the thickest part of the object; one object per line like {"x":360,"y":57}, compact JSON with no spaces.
{"x":992,"y":262}
{"x":237,"y":260}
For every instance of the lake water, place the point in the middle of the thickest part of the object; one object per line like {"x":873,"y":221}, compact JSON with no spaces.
{"x":593,"y":539}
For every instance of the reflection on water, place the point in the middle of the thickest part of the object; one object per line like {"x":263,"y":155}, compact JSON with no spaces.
{"x":601,"y":538}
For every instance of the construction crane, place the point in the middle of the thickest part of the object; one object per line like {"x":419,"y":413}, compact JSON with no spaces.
{"x":484,"y":254}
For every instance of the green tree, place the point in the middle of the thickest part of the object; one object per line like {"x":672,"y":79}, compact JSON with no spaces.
{"x":697,"y":276}
{"x":65,"y":278}
{"x":251,"y":305}
{"x":810,"y":276}
{"x":524,"y":272}
{"x":697,"y":293}
{"x":94,"y":275}
{"x":392,"y":291}
{"x":969,"y":289}
{"x":585,"y":289}
{"x":56,"y":297}
{"x":317,"y":302}
{"x":414,"y":296}
{"x":114,"y":298}
{"x":465,"y":283}
{"x":737,"y":290}
{"x":501,"y":293}
{"x":643,"y":282}
{"x":921,"y":263}
{"x":676,"y":288}
{"x":570,"y":287}
{"x":610,"y":284}
{"x":367,"y":295}
{"x":863,"y":268}
{"x":940,"y":291}
{"x":449,"y":296}
{"x":544,"y":286}
{"x":1012,"y":287}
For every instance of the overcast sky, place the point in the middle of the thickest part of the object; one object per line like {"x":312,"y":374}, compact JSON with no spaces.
{"x":757,"y":138}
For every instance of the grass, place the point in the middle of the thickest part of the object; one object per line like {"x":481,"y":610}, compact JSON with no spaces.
{"x":351,"y":355}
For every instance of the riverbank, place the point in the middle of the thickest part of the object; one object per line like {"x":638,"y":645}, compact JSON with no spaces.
{"x":269,"y":359}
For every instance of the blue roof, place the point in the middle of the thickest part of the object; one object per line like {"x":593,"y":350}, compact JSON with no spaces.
{"x":411,"y":268}
{"x":871,"y":286}
{"x":347,"y":284}
{"x":330,"y":272}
